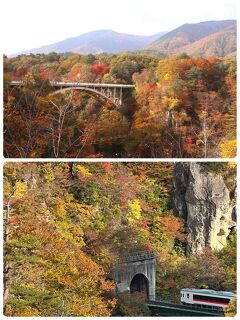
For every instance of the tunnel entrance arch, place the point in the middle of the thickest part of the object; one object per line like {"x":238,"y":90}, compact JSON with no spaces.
{"x":140,"y":283}
{"x":136,"y":272}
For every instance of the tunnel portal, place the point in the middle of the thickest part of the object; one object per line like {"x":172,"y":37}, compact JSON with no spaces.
{"x":136,"y":272}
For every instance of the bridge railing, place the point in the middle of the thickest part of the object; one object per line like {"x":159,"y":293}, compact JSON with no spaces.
{"x":78,"y":84}
{"x":91,"y":84}
{"x":138,"y":256}
{"x":183,"y":307}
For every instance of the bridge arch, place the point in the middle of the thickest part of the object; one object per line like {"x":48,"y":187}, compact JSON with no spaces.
{"x":116,"y":101}
{"x":140,"y":283}
{"x":107,"y":91}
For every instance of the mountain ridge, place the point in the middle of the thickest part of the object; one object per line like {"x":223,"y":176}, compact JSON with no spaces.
{"x":207,"y":38}
{"x":96,"y":42}
{"x":221,"y":44}
{"x":185,"y":37}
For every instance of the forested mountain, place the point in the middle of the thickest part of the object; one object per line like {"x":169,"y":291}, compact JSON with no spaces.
{"x":218,"y":44}
{"x":211,"y":38}
{"x":99,"y":41}
{"x":180,"y":107}
{"x":66,"y":225}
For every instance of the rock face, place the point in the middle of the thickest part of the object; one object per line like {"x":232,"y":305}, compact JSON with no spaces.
{"x":203,"y":200}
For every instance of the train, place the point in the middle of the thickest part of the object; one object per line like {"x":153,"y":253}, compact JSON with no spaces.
{"x":206,"y":298}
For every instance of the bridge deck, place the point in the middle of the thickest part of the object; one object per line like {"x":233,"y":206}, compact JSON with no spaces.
{"x":184,"y":308}
{"x":79,"y":84}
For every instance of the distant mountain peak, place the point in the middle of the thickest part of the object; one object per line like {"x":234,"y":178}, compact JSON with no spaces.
{"x":189,"y":37}
{"x":98,"y":41}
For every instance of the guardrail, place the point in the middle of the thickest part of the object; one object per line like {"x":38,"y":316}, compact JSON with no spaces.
{"x":155,"y":303}
{"x":138,"y":256}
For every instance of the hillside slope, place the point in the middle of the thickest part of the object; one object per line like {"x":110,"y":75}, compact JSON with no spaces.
{"x":219,"y":44}
{"x":216,"y":37}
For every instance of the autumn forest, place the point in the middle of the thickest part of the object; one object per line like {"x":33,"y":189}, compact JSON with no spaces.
{"x":119,"y":159}
{"x":180,"y":107}
{"x":67,"y":224}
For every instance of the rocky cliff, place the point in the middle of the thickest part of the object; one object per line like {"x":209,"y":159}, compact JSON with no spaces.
{"x":203,"y":200}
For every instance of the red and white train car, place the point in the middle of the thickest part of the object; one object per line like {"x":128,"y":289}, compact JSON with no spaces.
{"x":206,"y":298}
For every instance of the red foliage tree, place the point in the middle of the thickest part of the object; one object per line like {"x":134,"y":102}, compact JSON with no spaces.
{"x":99,"y":69}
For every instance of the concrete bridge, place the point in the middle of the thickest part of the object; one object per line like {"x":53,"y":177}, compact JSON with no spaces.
{"x":106,"y":91}
{"x":137,"y":272}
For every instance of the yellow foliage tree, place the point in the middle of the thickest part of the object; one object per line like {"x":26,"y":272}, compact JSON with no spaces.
{"x":231,"y":309}
{"x":134,"y":210}
{"x":228,"y":148}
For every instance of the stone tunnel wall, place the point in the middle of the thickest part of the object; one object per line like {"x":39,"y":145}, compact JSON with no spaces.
{"x":125,"y":272}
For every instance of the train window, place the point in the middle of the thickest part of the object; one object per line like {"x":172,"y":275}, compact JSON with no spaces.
{"x":210,"y":299}
{"x":188,"y":295}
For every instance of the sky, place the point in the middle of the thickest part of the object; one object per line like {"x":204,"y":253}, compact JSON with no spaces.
{"x":28,"y":24}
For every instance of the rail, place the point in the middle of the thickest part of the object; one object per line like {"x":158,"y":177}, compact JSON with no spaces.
{"x":157,"y":303}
